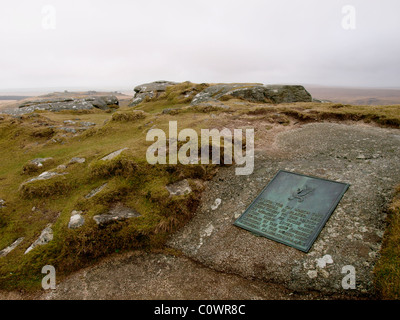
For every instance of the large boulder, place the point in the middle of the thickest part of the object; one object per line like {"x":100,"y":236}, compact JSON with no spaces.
{"x":150,"y":90}
{"x":104,"y":103}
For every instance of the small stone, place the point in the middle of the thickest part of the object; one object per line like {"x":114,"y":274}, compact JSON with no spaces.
{"x":62,"y":167}
{"x":2,"y":203}
{"x":216,"y":204}
{"x":312,"y":274}
{"x":77,"y":160}
{"x":45,"y":237}
{"x":10,"y":248}
{"x":321,"y":263}
{"x":76,"y":221}
{"x":209,"y":230}
{"x":117,"y":213}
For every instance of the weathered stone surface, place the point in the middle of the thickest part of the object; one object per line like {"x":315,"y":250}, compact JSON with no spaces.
{"x":77,"y":160}
{"x":76,"y":220}
{"x":353,"y":234}
{"x":118,"y":212}
{"x":287,"y":93}
{"x":45,"y":237}
{"x":179,"y":189}
{"x":254,"y":93}
{"x":95,"y":191}
{"x":10,"y":248}
{"x":53,"y":100}
{"x":113,"y":155}
{"x":149,"y":90}
{"x":138,"y":275}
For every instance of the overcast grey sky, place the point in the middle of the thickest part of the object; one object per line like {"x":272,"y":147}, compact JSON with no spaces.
{"x":121,"y":43}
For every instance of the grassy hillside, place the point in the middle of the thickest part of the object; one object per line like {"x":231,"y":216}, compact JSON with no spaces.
{"x":130,"y":179}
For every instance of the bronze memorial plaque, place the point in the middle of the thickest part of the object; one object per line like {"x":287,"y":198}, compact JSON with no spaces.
{"x":293,"y":209}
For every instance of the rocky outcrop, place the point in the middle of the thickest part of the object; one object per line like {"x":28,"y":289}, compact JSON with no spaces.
{"x":215,"y":92}
{"x":59,"y":104}
{"x":150,"y":90}
{"x":254,"y":93}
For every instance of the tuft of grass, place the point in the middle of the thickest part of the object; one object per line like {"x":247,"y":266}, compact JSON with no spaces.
{"x":43,"y":133}
{"x":388,"y":116}
{"x":207,"y":108}
{"x":387,"y":270}
{"x":119,"y":166}
{"x":32,"y":168}
{"x":128,"y":116}
{"x":56,"y":186}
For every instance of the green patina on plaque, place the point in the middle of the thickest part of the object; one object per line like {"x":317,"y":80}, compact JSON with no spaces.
{"x":293,"y":209}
